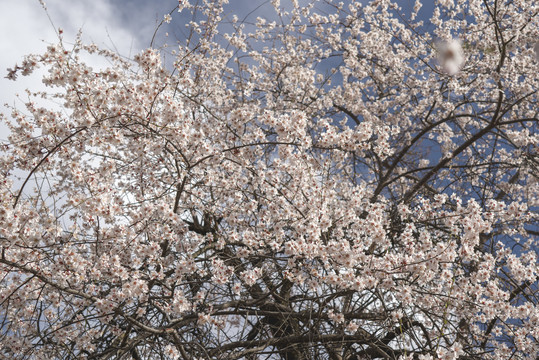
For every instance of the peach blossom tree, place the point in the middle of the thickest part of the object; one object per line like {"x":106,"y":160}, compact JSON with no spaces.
{"x":335,"y":181}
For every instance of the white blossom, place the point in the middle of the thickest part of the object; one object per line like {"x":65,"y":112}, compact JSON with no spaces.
{"x":451,"y":56}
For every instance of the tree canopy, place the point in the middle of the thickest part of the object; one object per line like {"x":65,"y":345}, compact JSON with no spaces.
{"x":334,"y":181}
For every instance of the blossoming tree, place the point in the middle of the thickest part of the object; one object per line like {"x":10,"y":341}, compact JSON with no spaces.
{"x":338,"y":181}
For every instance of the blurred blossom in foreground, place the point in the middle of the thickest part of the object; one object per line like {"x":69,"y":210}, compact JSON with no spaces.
{"x":451,"y":57}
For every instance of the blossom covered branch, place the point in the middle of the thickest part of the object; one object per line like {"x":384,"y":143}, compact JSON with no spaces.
{"x":336,"y":180}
